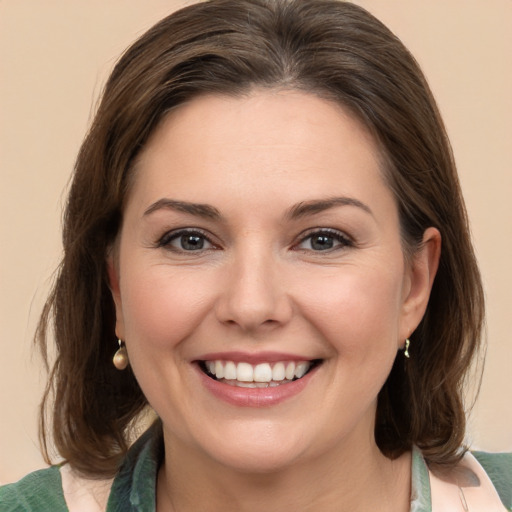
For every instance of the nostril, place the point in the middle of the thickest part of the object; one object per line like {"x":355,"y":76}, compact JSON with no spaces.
{"x":253,"y":297}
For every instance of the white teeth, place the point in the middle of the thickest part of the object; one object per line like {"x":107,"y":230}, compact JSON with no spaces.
{"x":263,"y":374}
{"x":246,"y":384}
{"x":301,"y":369}
{"x":239,"y":384}
{"x":230,"y":371}
{"x":290,"y":371}
{"x":219,"y":369}
{"x":244,"y":372}
{"x":278,"y":372}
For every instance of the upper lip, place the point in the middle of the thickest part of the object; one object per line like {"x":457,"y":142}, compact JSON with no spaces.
{"x":253,"y":358}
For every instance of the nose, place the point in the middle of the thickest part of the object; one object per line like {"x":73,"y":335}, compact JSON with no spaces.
{"x":254,"y":296}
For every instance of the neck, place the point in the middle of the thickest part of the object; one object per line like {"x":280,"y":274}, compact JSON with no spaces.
{"x":344,"y":479}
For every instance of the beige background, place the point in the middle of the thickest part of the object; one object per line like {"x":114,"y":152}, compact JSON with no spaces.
{"x":54,"y":57}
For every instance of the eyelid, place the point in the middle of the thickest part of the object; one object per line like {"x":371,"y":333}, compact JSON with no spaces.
{"x":341,"y":236}
{"x":172,"y":234}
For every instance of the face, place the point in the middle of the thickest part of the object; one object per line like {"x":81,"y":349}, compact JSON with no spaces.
{"x":259,"y":279}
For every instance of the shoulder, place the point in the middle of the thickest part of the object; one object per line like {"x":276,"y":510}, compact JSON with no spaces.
{"x":40,"y":491}
{"x":498,"y":467}
{"x":480,"y":484}
{"x":55,"y":488}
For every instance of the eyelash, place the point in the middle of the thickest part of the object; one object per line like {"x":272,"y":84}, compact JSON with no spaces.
{"x":343,"y":241}
{"x":169,"y":237}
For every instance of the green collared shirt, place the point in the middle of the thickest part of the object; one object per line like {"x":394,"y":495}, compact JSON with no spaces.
{"x":134,"y":487}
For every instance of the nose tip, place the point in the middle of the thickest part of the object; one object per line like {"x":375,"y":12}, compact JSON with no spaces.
{"x":254,"y":299}
{"x":253,"y":315}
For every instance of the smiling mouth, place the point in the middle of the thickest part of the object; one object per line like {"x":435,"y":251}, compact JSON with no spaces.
{"x":262,"y":375}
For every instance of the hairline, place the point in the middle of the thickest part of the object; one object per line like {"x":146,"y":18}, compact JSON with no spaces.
{"x":384,"y":162}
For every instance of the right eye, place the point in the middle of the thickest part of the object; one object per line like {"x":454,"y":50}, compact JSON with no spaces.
{"x":186,"y":240}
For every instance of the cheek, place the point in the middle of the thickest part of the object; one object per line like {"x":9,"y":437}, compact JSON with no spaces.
{"x":357,"y":310}
{"x":161,"y":308}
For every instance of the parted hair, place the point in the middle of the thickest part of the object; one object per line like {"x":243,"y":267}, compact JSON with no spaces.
{"x":329,"y":48}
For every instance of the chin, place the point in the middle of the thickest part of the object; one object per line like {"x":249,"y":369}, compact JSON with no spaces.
{"x":257,"y":460}
{"x":261,"y":449}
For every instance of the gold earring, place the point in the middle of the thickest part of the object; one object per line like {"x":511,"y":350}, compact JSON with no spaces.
{"x":120,"y":358}
{"x":406,"y":350}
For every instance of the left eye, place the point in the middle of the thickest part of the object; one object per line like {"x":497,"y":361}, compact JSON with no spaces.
{"x":185,"y":241}
{"x":324,"y":241}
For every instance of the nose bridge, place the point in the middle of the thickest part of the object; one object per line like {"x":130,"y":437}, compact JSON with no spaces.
{"x":253,"y":295}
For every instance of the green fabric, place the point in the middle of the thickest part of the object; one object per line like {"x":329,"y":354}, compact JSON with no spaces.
{"x":134,"y":488}
{"x":499,"y":468}
{"x":40,"y":491}
{"x":420,"y":484}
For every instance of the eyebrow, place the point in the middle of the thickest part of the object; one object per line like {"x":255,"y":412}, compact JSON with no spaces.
{"x":306,"y":208}
{"x":297,"y":211}
{"x":197,"y":209}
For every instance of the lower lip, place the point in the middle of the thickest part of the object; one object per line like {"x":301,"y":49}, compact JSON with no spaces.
{"x":255,"y":397}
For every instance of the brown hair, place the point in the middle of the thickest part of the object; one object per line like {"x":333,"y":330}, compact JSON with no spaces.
{"x":330,"y":48}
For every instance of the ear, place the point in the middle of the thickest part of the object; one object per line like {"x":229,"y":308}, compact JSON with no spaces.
{"x":113,"y":280}
{"x":422,"y":269}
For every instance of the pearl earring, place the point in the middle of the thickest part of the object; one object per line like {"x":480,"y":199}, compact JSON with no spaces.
{"x":120,"y":358}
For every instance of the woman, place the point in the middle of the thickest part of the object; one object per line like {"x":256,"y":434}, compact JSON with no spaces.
{"x":254,"y":234}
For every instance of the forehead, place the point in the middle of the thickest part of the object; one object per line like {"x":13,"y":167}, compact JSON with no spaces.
{"x":264,"y":139}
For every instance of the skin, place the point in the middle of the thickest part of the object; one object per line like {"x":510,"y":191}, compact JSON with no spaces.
{"x":259,"y":284}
